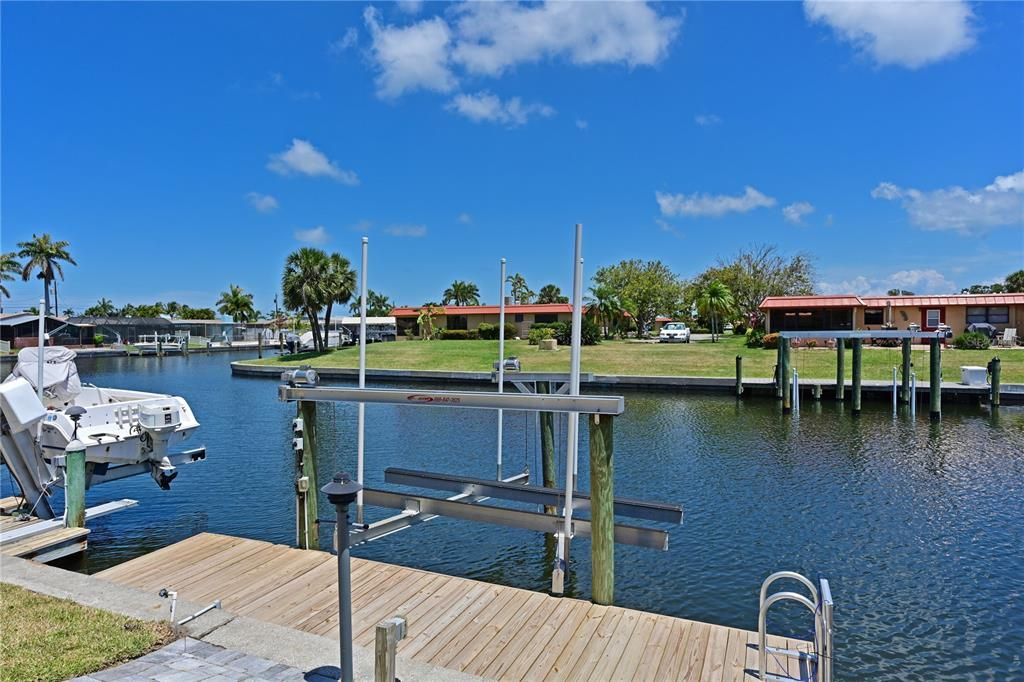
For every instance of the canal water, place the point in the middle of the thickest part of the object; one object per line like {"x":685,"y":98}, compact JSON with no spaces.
{"x":919,"y":527}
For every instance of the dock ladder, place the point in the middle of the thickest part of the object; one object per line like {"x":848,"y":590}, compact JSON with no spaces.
{"x":819,"y":662}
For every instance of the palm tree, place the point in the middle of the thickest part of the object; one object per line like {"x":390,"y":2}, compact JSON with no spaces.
{"x":235,"y":302}
{"x":305,"y":287}
{"x":103,"y":308}
{"x":520,"y":291}
{"x":549,"y":293}
{"x":461,"y":293}
{"x":606,"y":308}
{"x":341,"y":284}
{"x":715,"y":300}
{"x":377,"y":305}
{"x":8,"y":269}
{"x":69,"y":312}
{"x":44,"y":255}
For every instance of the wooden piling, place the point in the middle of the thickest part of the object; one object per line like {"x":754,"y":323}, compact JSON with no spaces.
{"x":858,"y":359}
{"x":602,"y":509}
{"x":778,"y":369}
{"x":995,"y":367}
{"x":306,"y":487}
{"x":739,"y":375}
{"x":840,"y":369}
{"x":159,"y":347}
{"x":906,"y":369}
{"x":816,"y":392}
{"x":259,"y":346}
{"x":784,"y":375}
{"x":386,"y":636}
{"x":935,"y":380}
{"x":74,"y":485}
{"x":549,"y":469}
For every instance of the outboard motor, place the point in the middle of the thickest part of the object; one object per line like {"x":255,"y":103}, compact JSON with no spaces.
{"x":158,"y":420}
{"x":292,"y":342}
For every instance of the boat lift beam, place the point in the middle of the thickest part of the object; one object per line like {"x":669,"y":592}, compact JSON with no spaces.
{"x":864,"y":334}
{"x":613,"y":405}
{"x":552,"y":497}
{"x":511,"y":518}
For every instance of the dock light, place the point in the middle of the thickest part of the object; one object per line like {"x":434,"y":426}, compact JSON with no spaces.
{"x":303,"y":376}
{"x":341,"y":492}
{"x":75,"y":414}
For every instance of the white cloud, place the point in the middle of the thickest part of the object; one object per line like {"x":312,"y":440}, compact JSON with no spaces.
{"x":408,"y":58}
{"x":264,"y":203}
{"x":582,"y":123}
{"x":303,"y":158}
{"x":490,"y":38}
{"x":410,"y":6}
{"x":707,"y":120}
{"x":465,"y":218}
{"x":485,"y":106}
{"x":958,"y":209}
{"x":715,"y":206}
{"x":362,"y":226}
{"x":927,"y":281}
{"x":666,"y":226}
{"x":314,"y":235}
{"x":911,"y":34}
{"x":795,"y":212}
{"x":406,"y":230}
{"x":349,"y":40}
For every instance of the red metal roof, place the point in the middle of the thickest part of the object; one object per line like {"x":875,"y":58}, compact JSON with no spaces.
{"x":488,"y":309}
{"x":959,"y":299}
{"x":846,"y":301}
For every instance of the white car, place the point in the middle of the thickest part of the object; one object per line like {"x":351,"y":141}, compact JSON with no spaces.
{"x":674,"y":332}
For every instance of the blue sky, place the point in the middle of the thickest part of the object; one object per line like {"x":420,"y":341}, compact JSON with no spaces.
{"x":182,"y":147}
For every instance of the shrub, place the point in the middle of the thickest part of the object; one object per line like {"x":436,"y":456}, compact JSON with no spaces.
{"x":811,"y":343}
{"x":538,"y":333}
{"x":886,"y":343}
{"x":590,"y":335}
{"x":972,"y":341}
{"x":458,"y":335}
{"x":770,"y":341}
{"x":755,"y":338}
{"x":489,"y":332}
{"x":97,"y":339}
{"x":739,"y":329}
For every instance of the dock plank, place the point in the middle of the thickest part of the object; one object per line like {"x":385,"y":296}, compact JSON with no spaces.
{"x":456,"y":623}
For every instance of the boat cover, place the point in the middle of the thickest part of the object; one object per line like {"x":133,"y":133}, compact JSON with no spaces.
{"x":60,"y":375}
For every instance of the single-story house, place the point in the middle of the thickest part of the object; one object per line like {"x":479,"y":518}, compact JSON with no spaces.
{"x":22,"y":329}
{"x":849,"y":312}
{"x":472,"y":316}
{"x":82,"y":328}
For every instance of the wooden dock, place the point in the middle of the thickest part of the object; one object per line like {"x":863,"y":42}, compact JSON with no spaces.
{"x":487,"y":630}
{"x":50,"y":545}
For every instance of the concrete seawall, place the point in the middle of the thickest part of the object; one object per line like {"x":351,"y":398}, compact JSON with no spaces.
{"x":871,"y":389}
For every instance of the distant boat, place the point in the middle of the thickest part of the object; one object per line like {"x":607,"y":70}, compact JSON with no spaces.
{"x":149,"y":344}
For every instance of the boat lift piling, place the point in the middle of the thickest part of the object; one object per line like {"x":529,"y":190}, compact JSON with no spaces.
{"x":906,"y":368}
{"x":784,"y":375}
{"x":995,"y":368}
{"x":935,"y":380}
{"x":840,"y":369}
{"x":858,"y":365}
{"x":739,"y":376}
{"x":546,"y":422}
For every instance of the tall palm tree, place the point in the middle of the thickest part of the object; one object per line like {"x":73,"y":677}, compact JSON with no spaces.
{"x":237,"y":303}
{"x":715,"y":300}
{"x":461,"y":293}
{"x":549,"y":293}
{"x":341,"y":284}
{"x":8,"y":269}
{"x":44,"y":255}
{"x":606,"y":308}
{"x":305,"y":287}
{"x":377,"y":305}
{"x":103,"y":308}
{"x":520,"y":291}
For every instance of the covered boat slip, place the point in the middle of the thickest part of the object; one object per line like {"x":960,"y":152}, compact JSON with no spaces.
{"x":488,"y":630}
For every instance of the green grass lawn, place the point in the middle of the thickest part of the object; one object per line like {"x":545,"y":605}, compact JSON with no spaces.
{"x":702,"y":358}
{"x":44,"y":638}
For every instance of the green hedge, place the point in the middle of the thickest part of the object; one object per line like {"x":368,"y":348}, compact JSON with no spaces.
{"x":972,"y":341}
{"x":489,"y":332}
{"x":458,"y":335}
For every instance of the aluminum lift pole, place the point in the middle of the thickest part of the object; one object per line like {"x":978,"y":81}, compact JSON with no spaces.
{"x":361,"y":427}
{"x":501,"y":358}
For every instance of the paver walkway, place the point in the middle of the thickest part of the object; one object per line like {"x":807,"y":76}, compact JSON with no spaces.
{"x":190,"y":660}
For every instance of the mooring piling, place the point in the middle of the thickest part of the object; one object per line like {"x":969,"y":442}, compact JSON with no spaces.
{"x":858,"y":360}
{"x":784,"y":369}
{"x":259,"y":346}
{"x":739,"y":375}
{"x":935,"y":380}
{"x":74,"y":484}
{"x":905,"y":389}
{"x":840,"y":369}
{"x":995,"y":367}
{"x":602,"y":509}
{"x":307,"y":526}
{"x":547,"y":446}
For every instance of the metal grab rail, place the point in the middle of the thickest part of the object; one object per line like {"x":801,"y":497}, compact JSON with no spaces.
{"x":820,"y":604}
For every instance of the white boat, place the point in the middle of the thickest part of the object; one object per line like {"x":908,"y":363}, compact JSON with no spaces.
{"x":148,"y":344}
{"x":124,"y":432}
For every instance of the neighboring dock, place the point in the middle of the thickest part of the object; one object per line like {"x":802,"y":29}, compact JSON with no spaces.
{"x":479,"y":628}
{"x":29,"y":537}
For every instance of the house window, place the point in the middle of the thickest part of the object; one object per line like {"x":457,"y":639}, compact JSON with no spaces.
{"x":933,"y":318}
{"x":873,"y":315}
{"x":458,"y":322}
{"x":992,"y":314}
{"x":545,"y":318}
{"x":977,"y":314}
{"x":519,"y":317}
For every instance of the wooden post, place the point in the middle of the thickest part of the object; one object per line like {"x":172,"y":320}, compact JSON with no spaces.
{"x":547,"y":446}
{"x":840,"y":369}
{"x":858,"y":359}
{"x":995,"y":367}
{"x":159,"y":347}
{"x":906,"y":369}
{"x":74,"y":485}
{"x":935,"y":381}
{"x":784,"y":375}
{"x":307,"y":526}
{"x":778,"y":369}
{"x":739,"y":375}
{"x":259,"y":346}
{"x":816,"y":392}
{"x":387,"y":635}
{"x":602,"y":509}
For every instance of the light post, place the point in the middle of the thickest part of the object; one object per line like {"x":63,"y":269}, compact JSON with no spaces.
{"x":341,"y":492}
